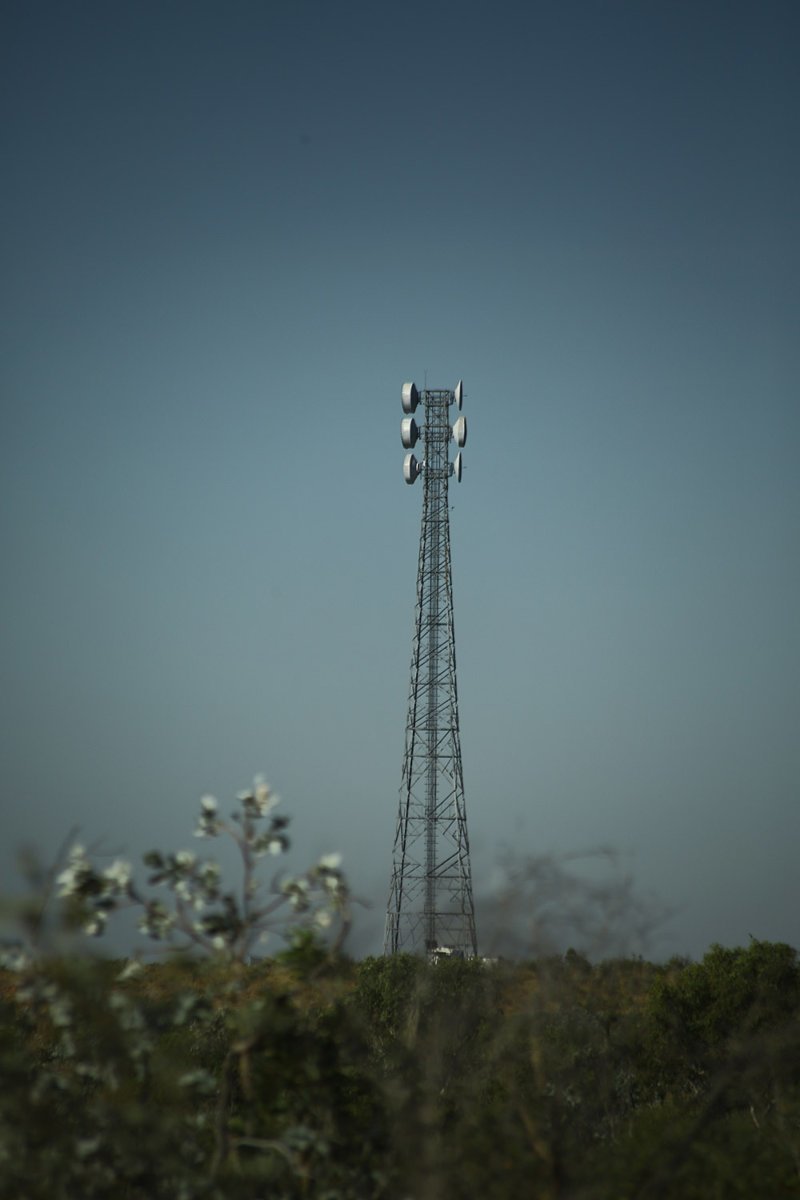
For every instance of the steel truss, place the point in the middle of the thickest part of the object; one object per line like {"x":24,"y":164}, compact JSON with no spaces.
{"x":430,"y":897}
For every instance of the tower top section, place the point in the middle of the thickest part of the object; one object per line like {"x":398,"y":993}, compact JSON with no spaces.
{"x":435,"y":432}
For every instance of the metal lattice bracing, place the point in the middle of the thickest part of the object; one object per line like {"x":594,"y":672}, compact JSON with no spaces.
{"x":430,"y":899}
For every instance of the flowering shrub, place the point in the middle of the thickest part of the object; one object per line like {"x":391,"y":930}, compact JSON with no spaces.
{"x":200,"y":913}
{"x":143,"y":1079}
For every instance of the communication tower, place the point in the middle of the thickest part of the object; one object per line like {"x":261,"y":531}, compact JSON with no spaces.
{"x":430,"y":898}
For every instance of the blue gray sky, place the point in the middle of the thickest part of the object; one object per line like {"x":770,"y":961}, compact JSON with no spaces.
{"x":230,"y":232}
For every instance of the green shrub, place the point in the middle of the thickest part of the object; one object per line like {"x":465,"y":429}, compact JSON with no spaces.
{"x":210,"y":1075}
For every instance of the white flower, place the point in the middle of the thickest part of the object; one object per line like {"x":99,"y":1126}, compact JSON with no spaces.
{"x":275,"y":846}
{"x":185,"y":858}
{"x":265,"y":799}
{"x":330,"y":862}
{"x":295,"y":885}
{"x":95,"y":924}
{"x":156,"y":921}
{"x":297,"y":890}
{"x":131,"y":968}
{"x":218,"y":942}
{"x":183,"y":891}
{"x":208,"y":876}
{"x":66,"y":882}
{"x":75,"y":873}
{"x":14,"y":960}
{"x":118,"y":874}
{"x":207,"y":823}
{"x":323,"y":918}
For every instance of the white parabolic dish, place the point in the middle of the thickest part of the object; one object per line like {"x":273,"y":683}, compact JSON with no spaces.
{"x":410,"y":468}
{"x":410,"y":397}
{"x":409,"y":432}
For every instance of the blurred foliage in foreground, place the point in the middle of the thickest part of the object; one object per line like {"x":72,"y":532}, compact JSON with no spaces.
{"x":308,"y":1075}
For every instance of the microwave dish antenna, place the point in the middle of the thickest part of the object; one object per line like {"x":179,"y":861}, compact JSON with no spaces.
{"x":409,"y":432}
{"x":410,"y":397}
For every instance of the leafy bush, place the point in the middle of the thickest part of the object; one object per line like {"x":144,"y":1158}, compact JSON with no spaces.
{"x":141,"y":1081}
{"x":213,"y":1076}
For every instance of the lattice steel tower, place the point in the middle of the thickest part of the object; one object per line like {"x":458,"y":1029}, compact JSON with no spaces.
{"x":430,"y":898}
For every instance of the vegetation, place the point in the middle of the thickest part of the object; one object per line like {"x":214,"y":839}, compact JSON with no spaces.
{"x":207,"y":1074}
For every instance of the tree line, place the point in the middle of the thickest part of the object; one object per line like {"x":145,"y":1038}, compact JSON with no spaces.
{"x":311,"y":1075}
